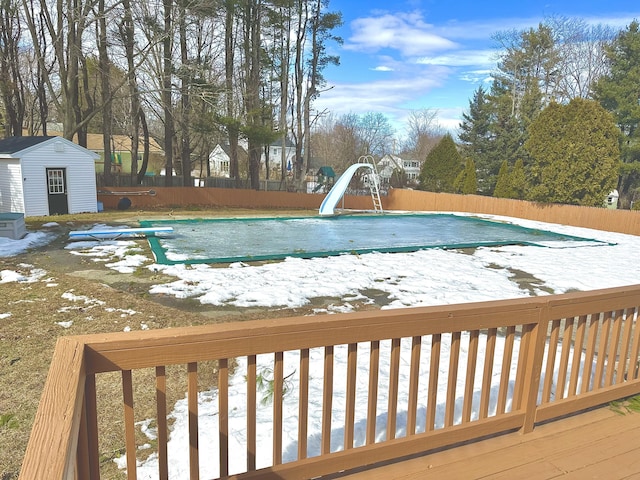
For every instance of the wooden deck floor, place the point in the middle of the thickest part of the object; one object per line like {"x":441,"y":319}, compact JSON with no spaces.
{"x":597,"y":444}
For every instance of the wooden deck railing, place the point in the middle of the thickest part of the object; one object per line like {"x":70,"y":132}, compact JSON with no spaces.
{"x":431,"y":377}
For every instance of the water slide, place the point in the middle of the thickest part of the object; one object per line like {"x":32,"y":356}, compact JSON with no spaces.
{"x":338,"y":189}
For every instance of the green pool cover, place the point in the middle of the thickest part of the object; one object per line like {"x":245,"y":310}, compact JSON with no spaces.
{"x":230,"y":240}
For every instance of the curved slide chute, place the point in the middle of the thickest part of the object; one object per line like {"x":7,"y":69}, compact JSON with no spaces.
{"x":337,"y":191}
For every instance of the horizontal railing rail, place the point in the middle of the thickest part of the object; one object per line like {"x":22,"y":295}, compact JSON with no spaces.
{"x":349,"y":390}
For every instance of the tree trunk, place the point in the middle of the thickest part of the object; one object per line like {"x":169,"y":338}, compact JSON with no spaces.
{"x":252,"y":87}
{"x":105,"y":86}
{"x":229,"y":64}
{"x":166,"y":92}
{"x":11,"y":84}
{"x":128,"y":39}
{"x":185,"y":101}
{"x":299,"y":77}
{"x":145,"y":140}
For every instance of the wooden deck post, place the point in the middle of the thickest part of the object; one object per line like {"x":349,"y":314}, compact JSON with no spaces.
{"x":537,"y":339}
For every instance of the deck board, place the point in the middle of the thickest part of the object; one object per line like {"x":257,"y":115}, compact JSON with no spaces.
{"x":597,"y":444}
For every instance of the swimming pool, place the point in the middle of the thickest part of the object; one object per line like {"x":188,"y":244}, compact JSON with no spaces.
{"x":228,"y":240}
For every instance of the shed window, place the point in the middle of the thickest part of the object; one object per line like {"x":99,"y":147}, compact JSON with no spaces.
{"x":55,"y":180}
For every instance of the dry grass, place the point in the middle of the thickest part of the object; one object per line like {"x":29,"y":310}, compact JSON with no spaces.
{"x":29,"y":334}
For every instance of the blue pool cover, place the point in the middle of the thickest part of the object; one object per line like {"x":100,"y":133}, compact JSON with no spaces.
{"x":229,"y":240}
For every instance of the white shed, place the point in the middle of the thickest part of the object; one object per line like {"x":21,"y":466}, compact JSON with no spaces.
{"x":46,"y":176}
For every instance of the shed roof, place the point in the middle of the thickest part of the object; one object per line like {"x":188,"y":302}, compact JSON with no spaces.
{"x":11,"y":146}
{"x":17,"y":144}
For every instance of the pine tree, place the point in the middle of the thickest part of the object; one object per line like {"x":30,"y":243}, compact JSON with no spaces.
{"x":476,"y":137}
{"x":441,"y":167}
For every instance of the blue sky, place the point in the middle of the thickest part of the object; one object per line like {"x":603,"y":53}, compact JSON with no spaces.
{"x":408,"y":55}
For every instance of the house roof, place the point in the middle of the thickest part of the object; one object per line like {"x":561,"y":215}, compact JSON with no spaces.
{"x":17,"y":144}
{"x":278,"y":143}
{"x":242,"y":153}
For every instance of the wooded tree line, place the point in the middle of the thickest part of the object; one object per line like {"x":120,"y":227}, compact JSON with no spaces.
{"x":194,"y":72}
{"x":559,"y":122}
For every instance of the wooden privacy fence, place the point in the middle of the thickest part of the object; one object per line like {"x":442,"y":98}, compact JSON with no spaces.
{"x":412,"y":380}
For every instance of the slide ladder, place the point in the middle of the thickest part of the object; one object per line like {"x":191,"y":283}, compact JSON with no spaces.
{"x":374,"y":183}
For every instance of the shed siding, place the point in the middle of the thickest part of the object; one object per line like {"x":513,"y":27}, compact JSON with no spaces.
{"x":80,"y":177}
{"x":11,"y":198}
{"x":81,"y":184}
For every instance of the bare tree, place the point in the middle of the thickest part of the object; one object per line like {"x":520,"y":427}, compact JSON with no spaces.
{"x":231,"y":121}
{"x":582,"y":57}
{"x":167,"y":100}
{"x":185,"y":97}
{"x":423,"y":132}
{"x":252,"y":19}
{"x":66,"y":24}
{"x":309,"y":81}
{"x":104,"y":66}
{"x":12,"y":87}
{"x":377,"y":136}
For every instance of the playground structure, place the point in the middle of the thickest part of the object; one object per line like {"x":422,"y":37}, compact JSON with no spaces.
{"x":340,"y":187}
{"x":325,"y":179}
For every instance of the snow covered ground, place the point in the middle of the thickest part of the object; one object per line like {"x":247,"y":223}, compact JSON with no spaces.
{"x":427,"y":277}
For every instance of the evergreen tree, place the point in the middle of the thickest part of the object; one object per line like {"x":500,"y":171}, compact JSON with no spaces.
{"x":574,"y":154}
{"x":476,"y":136}
{"x":466,"y":182}
{"x":618,"y":92}
{"x":503,"y":184}
{"x":518,"y":180}
{"x":441,"y":167}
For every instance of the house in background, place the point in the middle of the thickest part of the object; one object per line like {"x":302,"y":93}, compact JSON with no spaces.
{"x":46,"y":176}
{"x":220,"y":161}
{"x":121,"y":154}
{"x":389,"y":163}
{"x":276,"y":153}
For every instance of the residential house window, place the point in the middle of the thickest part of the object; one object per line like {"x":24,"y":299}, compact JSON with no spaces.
{"x":224,"y":166}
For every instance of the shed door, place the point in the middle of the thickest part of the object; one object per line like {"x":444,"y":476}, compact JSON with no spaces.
{"x":57,"y":191}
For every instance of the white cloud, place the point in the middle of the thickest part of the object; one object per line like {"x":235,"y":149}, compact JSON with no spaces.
{"x":462,"y":58}
{"x":405,"y":32}
{"x":383,"y":95}
{"x":382,"y":68}
{"x":620,"y":20}
{"x":476,"y":77}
